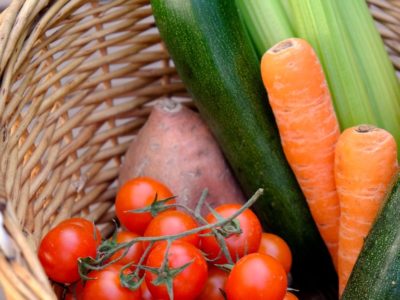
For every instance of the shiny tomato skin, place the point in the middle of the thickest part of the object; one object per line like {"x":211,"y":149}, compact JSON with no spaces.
{"x":188,"y":284}
{"x":275,"y":246}
{"x":173,"y":222}
{"x":70,"y":296}
{"x":238,"y":244}
{"x":135,"y":251}
{"x":146,"y":295}
{"x":290,"y":296}
{"x":138,"y":193}
{"x":257,"y":277}
{"x":216,"y":281}
{"x":84,"y":223}
{"x":106,"y":286}
{"x":61,"y":247}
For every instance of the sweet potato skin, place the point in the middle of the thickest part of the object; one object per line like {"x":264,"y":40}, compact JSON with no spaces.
{"x":176,"y":147}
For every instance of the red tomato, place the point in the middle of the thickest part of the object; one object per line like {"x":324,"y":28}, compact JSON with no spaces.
{"x":275,"y":246}
{"x":257,"y":277}
{"x":88,"y":225}
{"x":138,"y":193}
{"x":189,"y":283}
{"x":172,"y":222}
{"x":135,"y":251}
{"x":70,"y":296}
{"x":107,"y":286}
{"x":146,"y":295}
{"x":238,"y":244}
{"x":290,"y":296}
{"x":215,"y":283}
{"x":64,"y":244}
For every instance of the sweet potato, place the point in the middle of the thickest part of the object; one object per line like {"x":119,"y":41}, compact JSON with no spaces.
{"x":176,"y":148}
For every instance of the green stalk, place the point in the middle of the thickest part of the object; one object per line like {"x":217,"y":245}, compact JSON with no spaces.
{"x":377,"y":71}
{"x":266,"y":22}
{"x":361,"y":78}
{"x":319,"y":22}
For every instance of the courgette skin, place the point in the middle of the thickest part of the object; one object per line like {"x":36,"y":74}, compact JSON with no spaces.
{"x":218,"y":65}
{"x":376,"y":274}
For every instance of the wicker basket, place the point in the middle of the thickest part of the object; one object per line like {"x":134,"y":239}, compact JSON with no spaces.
{"x":78,"y":80}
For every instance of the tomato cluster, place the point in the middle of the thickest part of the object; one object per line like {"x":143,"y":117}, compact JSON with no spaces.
{"x":233,"y":261}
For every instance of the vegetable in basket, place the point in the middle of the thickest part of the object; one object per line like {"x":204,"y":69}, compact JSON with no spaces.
{"x":362,"y":80}
{"x":176,"y":147}
{"x":215,"y":59}
{"x":61,"y":247}
{"x":361,"y":77}
{"x":302,"y":106}
{"x":137,"y":193}
{"x":267,"y":22}
{"x":271,"y":282}
{"x":376,"y":274}
{"x":168,"y":262}
{"x":365,"y":164}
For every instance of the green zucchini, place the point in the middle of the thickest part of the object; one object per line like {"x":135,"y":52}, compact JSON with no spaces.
{"x":218,"y":65}
{"x":376,"y":274}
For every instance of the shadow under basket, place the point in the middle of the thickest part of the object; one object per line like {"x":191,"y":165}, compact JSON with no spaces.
{"x":78,"y":79}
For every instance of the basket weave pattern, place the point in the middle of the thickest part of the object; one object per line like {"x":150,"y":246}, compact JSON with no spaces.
{"x":387,"y":17}
{"x":78,"y":81}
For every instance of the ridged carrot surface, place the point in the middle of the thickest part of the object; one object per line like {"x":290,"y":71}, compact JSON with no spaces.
{"x":365,"y":165}
{"x":301,"y":102}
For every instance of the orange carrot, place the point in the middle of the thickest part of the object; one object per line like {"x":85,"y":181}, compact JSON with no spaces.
{"x":302,"y":106}
{"x":365,"y":164}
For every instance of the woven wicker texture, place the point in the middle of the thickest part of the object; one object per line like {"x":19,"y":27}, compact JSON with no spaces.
{"x":387,"y":16}
{"x":78,"y":80}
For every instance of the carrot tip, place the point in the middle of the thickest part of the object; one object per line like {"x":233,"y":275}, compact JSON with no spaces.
{"x":365,"y":128}
{"x":282,"y":46}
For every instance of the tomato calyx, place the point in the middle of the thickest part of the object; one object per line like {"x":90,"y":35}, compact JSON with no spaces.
{"x":85,"y":265}
{"x":231,"y":228}
{"x":109,"y":247}
{"x":104,"y":253}
{"x":156,"y":206}
{"x":165,"y":275}
{"x":130,"y":280}
{"x":221,"y":233}
{"x":226,"y":230}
